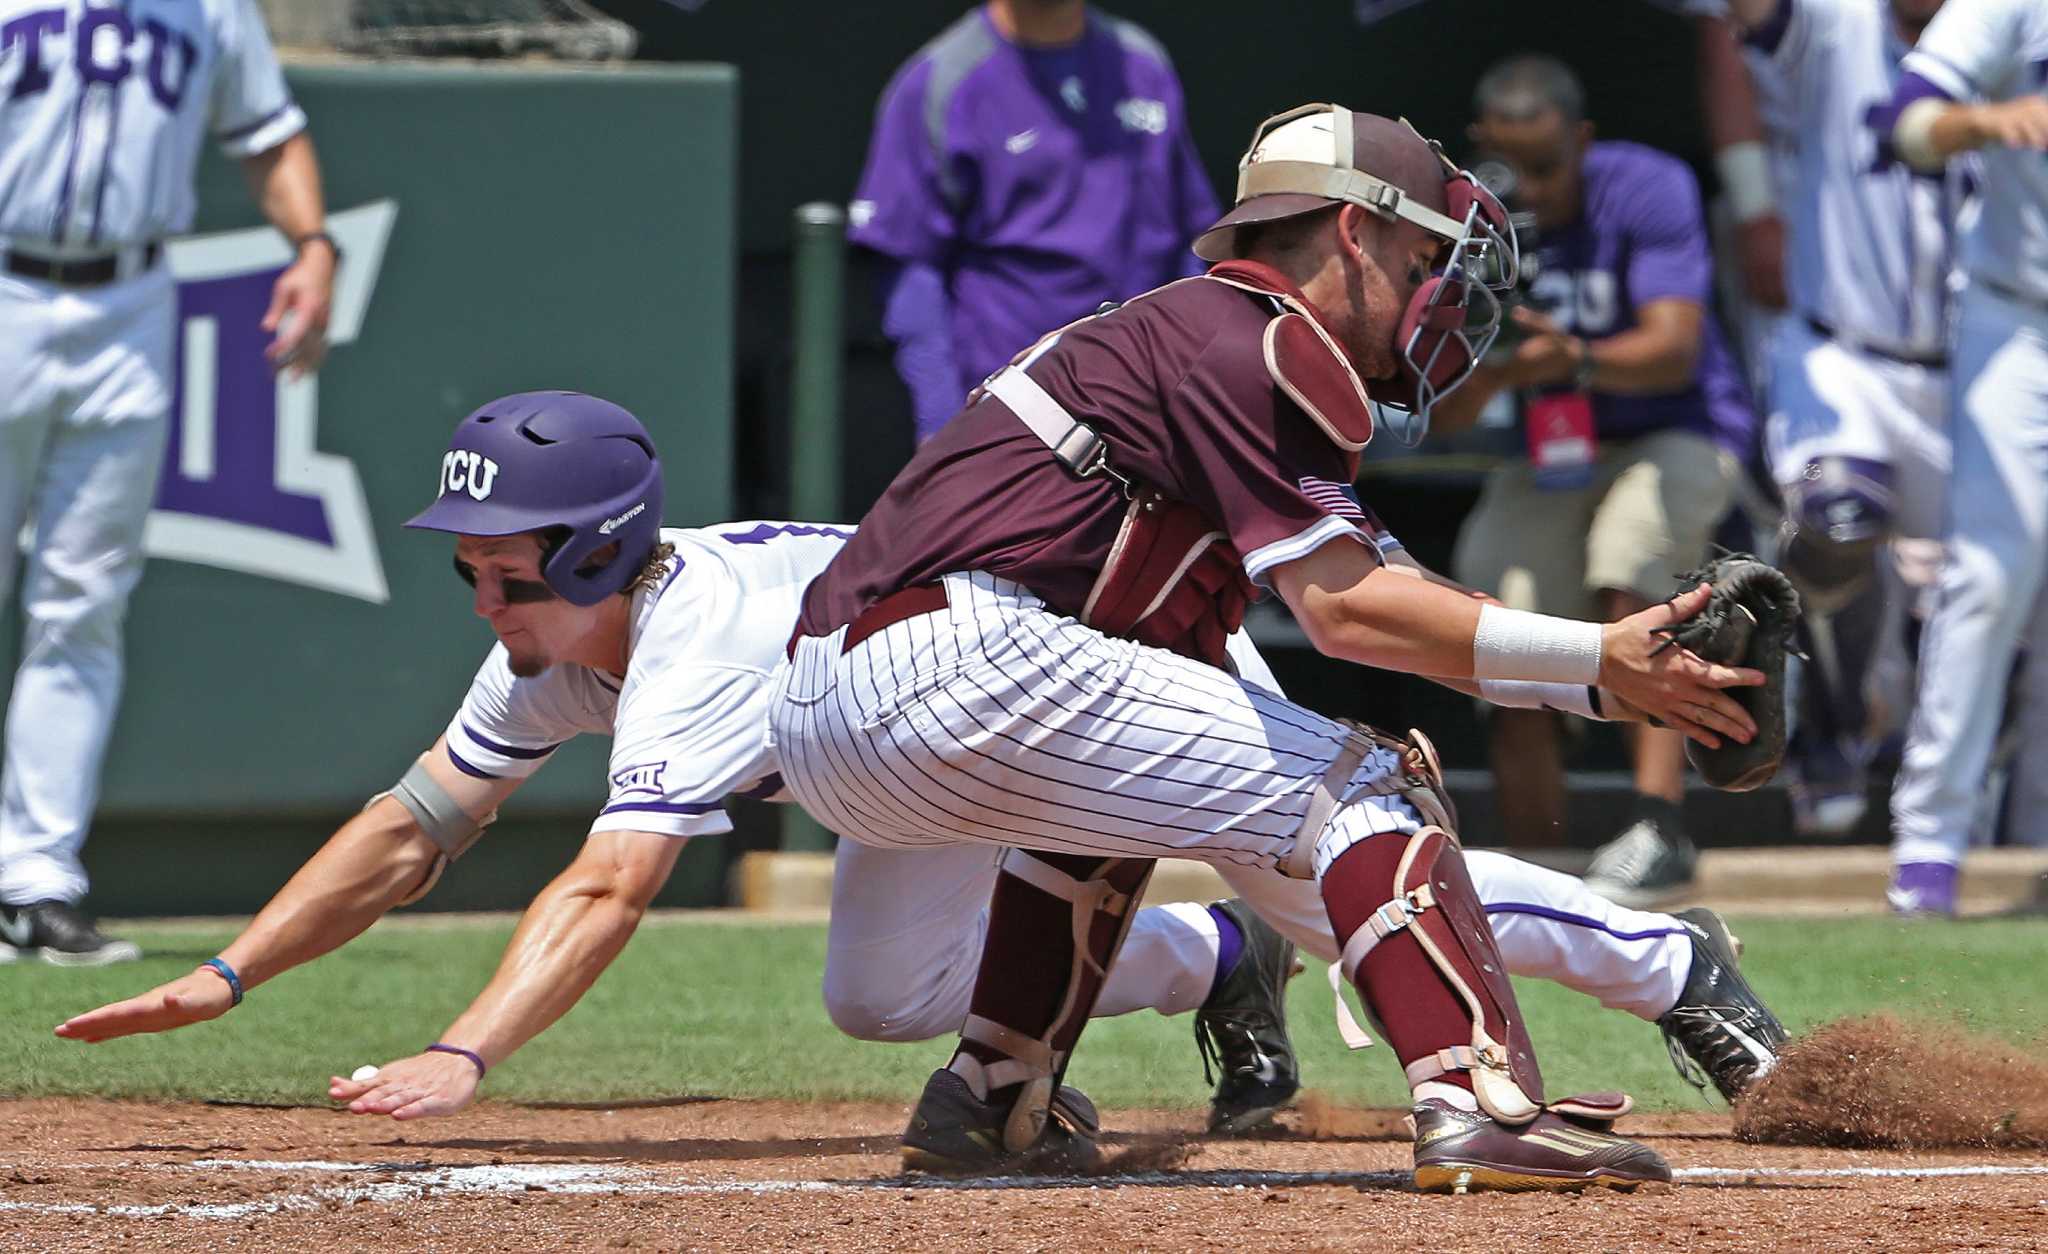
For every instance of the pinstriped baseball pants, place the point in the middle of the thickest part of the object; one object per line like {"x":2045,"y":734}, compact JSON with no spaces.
{"x":999,"y":721}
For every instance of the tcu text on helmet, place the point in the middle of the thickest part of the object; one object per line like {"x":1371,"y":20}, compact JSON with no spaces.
{"x":465,"y":471}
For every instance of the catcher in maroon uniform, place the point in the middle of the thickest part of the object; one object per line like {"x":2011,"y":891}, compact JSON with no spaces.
{"x":1023,"y":645}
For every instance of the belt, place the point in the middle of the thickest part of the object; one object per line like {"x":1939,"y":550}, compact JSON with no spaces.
{"x":927,"y":598}
{"x":81,"y":271}
{"x":1933,"y":360}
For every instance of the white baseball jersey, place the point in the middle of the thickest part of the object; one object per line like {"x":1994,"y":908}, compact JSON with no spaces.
{"x":689,"y":719}
{"x":1997,"y":50}
{"x":1872,"y":248}
{"x":103,"y":108}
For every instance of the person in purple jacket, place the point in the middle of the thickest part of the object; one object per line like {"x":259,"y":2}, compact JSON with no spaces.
{"x":1027,"y":165}
{"x":1635,"y":417}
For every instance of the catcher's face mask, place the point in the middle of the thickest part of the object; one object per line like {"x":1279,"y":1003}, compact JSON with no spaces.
{"x":1303,"y":159}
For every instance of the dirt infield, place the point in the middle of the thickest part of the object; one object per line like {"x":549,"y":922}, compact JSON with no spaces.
{"x":77,"y":1175}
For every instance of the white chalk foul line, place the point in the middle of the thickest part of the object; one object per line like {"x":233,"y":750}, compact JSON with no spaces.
{"x":417,"y":1181}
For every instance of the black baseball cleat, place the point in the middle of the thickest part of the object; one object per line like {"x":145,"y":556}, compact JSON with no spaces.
{"x":952,"y":1132}
{"x":61,"y":934}
{"x":1643,"y":866}
{"x":1242,"y":1029}
{"x":1458,"y":1151}
{"x":1720,"y":1030}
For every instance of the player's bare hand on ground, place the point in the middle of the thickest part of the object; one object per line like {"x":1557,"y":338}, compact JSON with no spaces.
{"x":1672,"y":685}
{"x":299,"y":308}
{"x":411,"y":1088}
{"x":193,"y":998}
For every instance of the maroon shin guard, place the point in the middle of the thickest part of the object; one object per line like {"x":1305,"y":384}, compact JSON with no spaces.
{"x":1031,"y":980}
{"x":1434,"y":980}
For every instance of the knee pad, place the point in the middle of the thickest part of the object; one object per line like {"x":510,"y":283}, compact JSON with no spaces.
{"x":1087,"y":900}
{"x":1419,"y":782}
{"x":1836,"y":516}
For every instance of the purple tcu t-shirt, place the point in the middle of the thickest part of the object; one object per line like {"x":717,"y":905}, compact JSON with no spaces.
{"x":1039,"y":182}
{"x":1641,"y":237}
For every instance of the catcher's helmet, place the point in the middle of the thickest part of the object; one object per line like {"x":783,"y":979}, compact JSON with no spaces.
{"x":1311,"y":157}
{"x":580,"y":470}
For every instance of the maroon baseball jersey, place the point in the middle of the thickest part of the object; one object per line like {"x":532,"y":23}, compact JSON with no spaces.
{"x":1177,"y":385}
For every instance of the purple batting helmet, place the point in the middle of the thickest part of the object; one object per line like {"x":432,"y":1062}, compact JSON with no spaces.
{"x":580,"y":469}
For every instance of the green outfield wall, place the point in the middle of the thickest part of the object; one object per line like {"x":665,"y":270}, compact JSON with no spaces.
{"x":292,"y":646}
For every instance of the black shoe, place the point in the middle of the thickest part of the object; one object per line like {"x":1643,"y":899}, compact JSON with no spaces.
{"x":1459,"y":1151}
{"x":61,"y":934}
{"x":1643,"y":866}
{"x":1720,"y":1030}
{"x":953,"y":1132}
{"x":1242,"y":1028}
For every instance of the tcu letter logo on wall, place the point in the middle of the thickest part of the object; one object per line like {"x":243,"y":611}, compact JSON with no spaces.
{"x":464,"y":471}
{"x":244,"y":487}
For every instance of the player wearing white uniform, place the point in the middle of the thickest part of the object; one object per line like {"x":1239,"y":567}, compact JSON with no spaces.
{"x":680,"y":678}
{"x":1977,"y":80}
{"x":1856,"y":437}
{"x":103,"y":109}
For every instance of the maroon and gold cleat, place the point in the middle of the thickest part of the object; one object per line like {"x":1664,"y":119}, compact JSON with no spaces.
{"x":1458,"y":1151}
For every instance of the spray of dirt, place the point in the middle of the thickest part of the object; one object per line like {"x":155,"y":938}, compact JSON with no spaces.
{"x":1881,"y":1082}
{"x":1318,"y":1118}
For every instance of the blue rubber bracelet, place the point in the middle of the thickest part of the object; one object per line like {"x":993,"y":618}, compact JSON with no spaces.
{"x":220,"y":967}
{"x":439,"y":1047}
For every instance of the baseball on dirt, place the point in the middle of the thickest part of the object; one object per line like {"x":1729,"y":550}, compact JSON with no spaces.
{"x":364,"y":1073}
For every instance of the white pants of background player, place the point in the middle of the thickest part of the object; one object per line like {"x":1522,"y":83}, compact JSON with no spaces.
{"x":1989,"y":602}
{"x":1829,"y":400}
{"x":85,"y":388}
{"x":908,"y":922}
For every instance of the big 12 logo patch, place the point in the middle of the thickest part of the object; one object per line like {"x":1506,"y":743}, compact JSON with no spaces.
{"x":243,"y":486}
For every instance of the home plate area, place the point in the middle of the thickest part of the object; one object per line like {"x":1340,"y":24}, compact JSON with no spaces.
{"x":716,"y":1174}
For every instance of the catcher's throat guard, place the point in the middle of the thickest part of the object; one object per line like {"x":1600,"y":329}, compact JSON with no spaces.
{"x":1305,"y":157}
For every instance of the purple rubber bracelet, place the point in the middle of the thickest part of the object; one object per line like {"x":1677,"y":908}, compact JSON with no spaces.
{"x":439,"y":1048}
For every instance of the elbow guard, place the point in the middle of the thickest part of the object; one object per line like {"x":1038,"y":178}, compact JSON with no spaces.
{"x":1913,"y":135}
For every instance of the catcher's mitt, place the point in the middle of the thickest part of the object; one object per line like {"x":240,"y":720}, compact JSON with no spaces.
{"x":1748,"y":622}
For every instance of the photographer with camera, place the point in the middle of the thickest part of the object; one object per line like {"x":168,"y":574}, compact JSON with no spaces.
{"x":1635,"y":417}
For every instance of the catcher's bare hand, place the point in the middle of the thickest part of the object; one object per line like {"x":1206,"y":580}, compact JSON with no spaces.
{"x":1672,"y":685}
{"x":193,"y":998}
{"x":411,"y":1088}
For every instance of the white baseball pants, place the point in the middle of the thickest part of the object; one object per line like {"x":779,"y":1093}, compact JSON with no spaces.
{"x":85,"y":389}
{"x":1989,"y":601}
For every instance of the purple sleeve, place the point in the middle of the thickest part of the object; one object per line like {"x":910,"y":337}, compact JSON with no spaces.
{"x":899,"y":209}
{"x":917,"y":318}
{"x":1668,"y":257}
{"x":1199,"y":210}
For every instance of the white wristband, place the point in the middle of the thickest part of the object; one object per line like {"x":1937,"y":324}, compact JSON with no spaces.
{"x":1515,"y":644}
{"x":1913,"y":135}
{"x":1521,"y":694}
{"x":1745,"y":170}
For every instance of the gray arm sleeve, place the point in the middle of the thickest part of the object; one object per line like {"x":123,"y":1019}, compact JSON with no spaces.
{"x":446,"y":823}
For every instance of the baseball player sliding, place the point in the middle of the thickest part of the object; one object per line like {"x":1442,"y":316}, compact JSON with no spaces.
{"x":1978,"y":78}
{"x":667,"y":641}
{"x":1023,"y":645}
{"x":103,"y":108}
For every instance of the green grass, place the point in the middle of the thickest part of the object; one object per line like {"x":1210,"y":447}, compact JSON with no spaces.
{"x":697,"y":1007}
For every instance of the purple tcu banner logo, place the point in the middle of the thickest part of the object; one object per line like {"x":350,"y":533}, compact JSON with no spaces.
{"x":243,"y":486}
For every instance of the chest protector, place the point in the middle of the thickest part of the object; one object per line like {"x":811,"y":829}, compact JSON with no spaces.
{"x":1173,"y":580}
